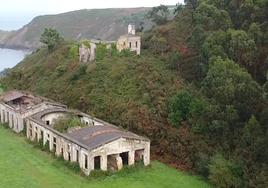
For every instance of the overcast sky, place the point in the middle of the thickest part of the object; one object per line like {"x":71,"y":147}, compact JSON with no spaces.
{"x":16,"y":13}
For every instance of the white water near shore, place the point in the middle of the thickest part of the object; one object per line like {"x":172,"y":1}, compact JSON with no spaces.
{"x":10,"y":58}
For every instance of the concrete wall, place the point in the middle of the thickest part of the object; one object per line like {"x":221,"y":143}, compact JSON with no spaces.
{"x":87,"y":54}
{"x":51,"y":117}
{"x":15,"y":119}
{"x":90,"y":121}
{"x":64,"y":147}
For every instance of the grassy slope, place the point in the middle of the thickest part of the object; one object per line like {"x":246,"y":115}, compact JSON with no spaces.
{"x":21,"y":165}
{"x":131,"y":92}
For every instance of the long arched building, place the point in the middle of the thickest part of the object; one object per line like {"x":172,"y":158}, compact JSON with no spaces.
{"x":77,"y":137}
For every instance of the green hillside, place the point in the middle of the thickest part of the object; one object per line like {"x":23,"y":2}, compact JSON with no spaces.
{"x":105,"y":24}
{"x":32,"y":168}
{"x":199,"y":90}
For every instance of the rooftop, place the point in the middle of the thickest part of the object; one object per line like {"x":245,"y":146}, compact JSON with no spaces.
{"x":22,"y":101}
{"x":90,"y":137}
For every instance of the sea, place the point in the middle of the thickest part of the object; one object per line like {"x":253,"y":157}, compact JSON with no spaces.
{"x":10,"y":58}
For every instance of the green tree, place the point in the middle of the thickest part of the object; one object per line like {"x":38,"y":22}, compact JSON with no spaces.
{"x":51,"y":38}
{"x":252,"y":131}
{"x":158,"y":45}
{"x":254,"y":141}
{"x":215,"y":45}
{"x":179,"y":107}
{"x":224,"y":173}
{"x":228,"y":84}
{"x":242,"y":48}
{"x":211,"y":18}
{"x":159,"y":15}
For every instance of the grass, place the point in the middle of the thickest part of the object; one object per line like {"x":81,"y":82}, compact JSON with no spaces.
{"x":21,"y":166}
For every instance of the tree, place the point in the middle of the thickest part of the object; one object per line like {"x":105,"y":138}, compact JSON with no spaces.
{"x":215,"y":45}
{"x":211,"y":18}
{"x":228,"y":84}
{"x":242,"y":48}
{"x":224,"y":173}
{"x":179,"y":107}
{"x":51,"y":38}
{"x":252,"y":131}
{"x":159,"y":45}
{"x":178,"y":8}
{"x":159,"y":15}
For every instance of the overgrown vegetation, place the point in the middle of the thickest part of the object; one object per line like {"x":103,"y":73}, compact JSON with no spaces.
{"x":63,"y":124}
{"x":201,"y":97}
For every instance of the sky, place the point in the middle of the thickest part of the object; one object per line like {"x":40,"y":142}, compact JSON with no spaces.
{"x":16,"y":13}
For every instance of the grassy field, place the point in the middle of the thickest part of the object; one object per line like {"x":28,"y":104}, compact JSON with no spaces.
{"x":23,"y":166}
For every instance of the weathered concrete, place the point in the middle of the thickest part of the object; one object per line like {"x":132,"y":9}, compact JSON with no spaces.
{"x":87,"y":54}
{"x":130,"y":41}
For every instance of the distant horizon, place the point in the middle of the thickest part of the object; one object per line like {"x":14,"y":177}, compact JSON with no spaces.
{"x":13,"y":18}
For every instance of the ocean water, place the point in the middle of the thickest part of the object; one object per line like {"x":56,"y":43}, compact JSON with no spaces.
{"x":10,"y":58}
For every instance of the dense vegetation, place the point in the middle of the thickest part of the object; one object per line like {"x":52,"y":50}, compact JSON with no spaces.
{"x":198,"y":91}
{"x":64,"y":124}
{"x":33,"y":168}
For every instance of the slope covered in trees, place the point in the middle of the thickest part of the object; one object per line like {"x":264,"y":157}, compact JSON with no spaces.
{"x":198,"y":91}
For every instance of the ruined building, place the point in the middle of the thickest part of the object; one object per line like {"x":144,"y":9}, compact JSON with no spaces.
{"x":92,"y":143}
{"x":87,"y":53}
{"x":130,"y":41}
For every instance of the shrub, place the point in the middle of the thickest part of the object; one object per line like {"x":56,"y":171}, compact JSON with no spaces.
{"x":63,"y":124}
{"x":80,"y":72}
{"x":101,"y":52}
{"x":73,"y":52}
{"x":60,"y":70}
{"x":126,"y":53}
{"x":173,"y":60}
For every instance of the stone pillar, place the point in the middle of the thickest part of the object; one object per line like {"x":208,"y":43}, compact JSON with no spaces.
{"x":131,"y":158}
{"x":27,"y":129}
{"x":2,"y":116}
{"x":104,"y":162}
{"x":10,"y":120}
{"x":20,"y":124}
{"x":50,"y":142}
{"x":147,"y":155}
{"x":58,"y":148}
{"x":6,"y":117}
{"x":119,"y":162}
